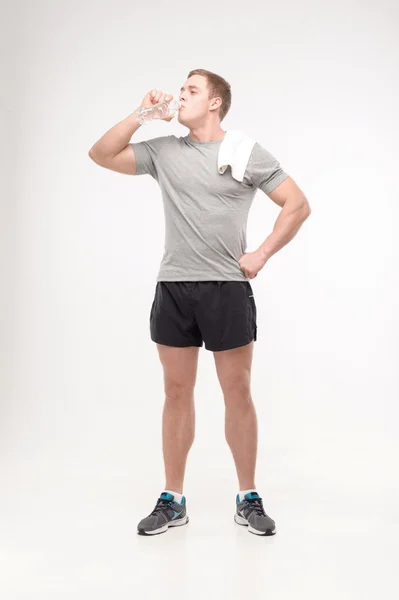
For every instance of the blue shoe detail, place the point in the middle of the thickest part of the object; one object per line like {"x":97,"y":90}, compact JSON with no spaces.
{"x":166,"y":496}
{"x":251,"y":495}
{"x":176,"y":514}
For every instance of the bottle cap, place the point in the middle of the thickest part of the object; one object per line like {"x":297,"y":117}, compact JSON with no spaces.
{"x":174,"y":104}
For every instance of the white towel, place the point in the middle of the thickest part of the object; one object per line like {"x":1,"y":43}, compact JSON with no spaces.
{"x":235,"y":151}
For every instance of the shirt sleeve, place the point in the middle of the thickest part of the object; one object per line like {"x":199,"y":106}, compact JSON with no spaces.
{"x":263,"y":170}
{"x":146,"y":154}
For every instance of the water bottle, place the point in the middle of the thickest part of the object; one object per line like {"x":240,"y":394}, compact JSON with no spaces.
{"x":158,"y":111}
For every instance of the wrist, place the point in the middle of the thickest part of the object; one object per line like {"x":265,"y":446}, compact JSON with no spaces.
{"x":136,"y":116}
{"x":264,"y":254}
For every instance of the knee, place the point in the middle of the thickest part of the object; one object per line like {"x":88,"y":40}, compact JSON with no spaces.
{"x":237,"y":393}
{"x":177,"y":393}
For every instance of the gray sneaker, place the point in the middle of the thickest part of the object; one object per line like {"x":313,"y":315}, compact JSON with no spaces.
{"x":167,"y":513}
{"x":250,"y":512}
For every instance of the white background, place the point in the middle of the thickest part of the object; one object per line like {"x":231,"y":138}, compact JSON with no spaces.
{"x":81,"y":382}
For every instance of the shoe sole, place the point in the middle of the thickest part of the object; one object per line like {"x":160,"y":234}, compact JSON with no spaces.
{"x":164,"y":528}
{"x":241,"y":521}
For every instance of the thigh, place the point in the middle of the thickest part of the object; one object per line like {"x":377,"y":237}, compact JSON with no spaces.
{"x":226,"y":314}
{"x":179,"y":367}
{"x":233,"y":369}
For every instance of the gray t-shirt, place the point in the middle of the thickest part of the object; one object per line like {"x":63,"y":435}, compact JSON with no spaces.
{"x":205,"y":212}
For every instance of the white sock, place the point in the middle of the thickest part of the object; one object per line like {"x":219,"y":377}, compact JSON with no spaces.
{"x":178,"y":497}
{"x":243,"y":492}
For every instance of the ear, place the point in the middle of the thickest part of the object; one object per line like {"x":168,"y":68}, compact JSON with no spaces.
{"x":215,"y":103}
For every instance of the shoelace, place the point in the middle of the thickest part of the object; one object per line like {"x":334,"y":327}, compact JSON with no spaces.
{"x":257,"y":505}
{"x":161,"y":505}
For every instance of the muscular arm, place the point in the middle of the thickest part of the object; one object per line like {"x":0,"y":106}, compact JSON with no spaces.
{"x":112,"y":151}
{"x":295,"y":210}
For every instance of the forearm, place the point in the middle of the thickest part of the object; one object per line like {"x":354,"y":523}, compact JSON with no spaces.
{"x":116,"y":138}
{"x":287,"y":225}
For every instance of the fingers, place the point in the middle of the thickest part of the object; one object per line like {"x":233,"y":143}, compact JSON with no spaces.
{"x":249,"y":275}
{"x":159,"y":96}
{"x":155,"y":96}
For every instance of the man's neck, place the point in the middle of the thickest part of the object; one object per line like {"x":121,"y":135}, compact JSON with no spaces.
{"x":206,"y":134}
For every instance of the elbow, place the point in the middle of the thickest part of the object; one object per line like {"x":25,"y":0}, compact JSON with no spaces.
{"x":306,"y":208}
{"x":94,"y":156}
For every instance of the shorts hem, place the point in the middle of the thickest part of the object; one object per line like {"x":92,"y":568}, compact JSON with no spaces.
{"x":230,"y":347}
{"x":173,"y":345}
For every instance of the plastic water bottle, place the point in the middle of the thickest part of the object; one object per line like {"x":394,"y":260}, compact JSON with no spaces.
{"x":158,"y":111}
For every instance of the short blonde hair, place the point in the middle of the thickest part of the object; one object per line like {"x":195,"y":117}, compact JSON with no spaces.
{"x":218,"y":88}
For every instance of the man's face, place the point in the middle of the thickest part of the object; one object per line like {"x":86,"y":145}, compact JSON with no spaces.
{"x":195,"y":102}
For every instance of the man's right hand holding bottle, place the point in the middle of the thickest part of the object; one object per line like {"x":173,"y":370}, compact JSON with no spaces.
{"x":154,"y":97}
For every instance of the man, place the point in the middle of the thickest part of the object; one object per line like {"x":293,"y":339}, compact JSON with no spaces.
{"x":203,"y":292}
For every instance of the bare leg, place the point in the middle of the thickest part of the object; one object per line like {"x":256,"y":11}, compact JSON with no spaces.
{"x":234,"y":373}
{"x":178,"y":420}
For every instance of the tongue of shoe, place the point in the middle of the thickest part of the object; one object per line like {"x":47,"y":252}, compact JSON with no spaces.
{"x":167,"y":496}
{"x":251,"y":495}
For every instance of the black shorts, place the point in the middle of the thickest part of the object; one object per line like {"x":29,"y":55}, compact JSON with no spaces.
{"x":220,"y":313}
